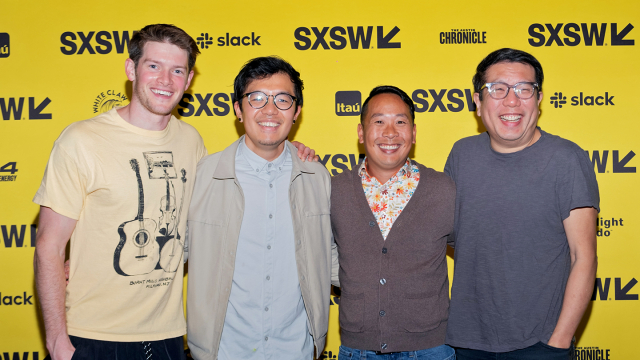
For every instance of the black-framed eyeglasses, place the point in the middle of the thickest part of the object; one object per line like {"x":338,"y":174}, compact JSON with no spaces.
{"x":258,"y":100}
{"x":500,"y":90}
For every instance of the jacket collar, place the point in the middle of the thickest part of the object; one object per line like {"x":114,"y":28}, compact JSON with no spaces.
{"x":226,"y":168}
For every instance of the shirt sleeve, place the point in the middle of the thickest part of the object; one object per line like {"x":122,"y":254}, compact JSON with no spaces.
{"x":63,"y":187}
{"x":577,"y":185}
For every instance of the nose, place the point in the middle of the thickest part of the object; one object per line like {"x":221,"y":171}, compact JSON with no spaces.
{"x":511,"y":100}
{"x":389,"y":131}
{"x":270,"y":108}
{"x":165,"y":78}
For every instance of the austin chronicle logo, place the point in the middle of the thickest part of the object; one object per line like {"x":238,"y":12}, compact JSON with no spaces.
{"x":558,"y":100}
{"x":107,"y":100}
{"x":348,"y":103}
{"x":5,"y":49}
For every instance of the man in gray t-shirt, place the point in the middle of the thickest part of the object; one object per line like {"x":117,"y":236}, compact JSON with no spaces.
{"x":526,"y":207}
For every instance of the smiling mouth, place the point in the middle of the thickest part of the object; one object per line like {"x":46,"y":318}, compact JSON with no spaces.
{"x":511,"y":118}
{"x":268,"y":124}
{"x":161,"y":92}
{"x":389,"y":146}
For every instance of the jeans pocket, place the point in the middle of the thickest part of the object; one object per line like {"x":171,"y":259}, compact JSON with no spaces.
{"x":553,"y":348}
{"x":344,"y":353}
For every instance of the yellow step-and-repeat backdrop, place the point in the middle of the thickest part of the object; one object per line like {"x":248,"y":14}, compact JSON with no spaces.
{"x":64,"y":61}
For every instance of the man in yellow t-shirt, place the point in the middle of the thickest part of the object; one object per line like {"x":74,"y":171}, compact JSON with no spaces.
{"x":119,"y":186}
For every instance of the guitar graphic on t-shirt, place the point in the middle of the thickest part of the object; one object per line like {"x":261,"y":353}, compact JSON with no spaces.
{"x":171,"y":253}
{"x":137,"y":252}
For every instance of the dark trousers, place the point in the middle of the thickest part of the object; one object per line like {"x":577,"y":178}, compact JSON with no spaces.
{"x":89,"y":349}
{"x":539,"y":351}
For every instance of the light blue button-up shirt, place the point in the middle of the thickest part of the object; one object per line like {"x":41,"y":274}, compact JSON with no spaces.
{"x":266,"y":317}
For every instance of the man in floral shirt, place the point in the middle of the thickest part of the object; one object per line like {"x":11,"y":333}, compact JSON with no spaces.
{"x":391,"y":218}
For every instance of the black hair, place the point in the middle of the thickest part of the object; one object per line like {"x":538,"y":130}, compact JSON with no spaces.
{"x":388,"y":89}
{"x":506,"y":55}
{"x":263,"y":67}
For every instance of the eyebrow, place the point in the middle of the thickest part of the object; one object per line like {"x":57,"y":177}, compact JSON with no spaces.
{"x":381,"y":114}
{"x":162,"y":62}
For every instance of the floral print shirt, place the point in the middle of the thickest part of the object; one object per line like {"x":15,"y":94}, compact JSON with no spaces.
{"x":389,"y":199}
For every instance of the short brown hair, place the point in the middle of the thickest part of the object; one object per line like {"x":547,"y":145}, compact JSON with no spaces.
{"x":163,"y":33}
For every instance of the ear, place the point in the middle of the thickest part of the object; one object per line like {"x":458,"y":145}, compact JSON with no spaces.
{"x":189,"y":80}
{"x":295,"y":116}
{"x":130,"y":69}
{"x":360,"y":134}
{"x":539,"y":98}
{"x":476,"y":100}
{"x":236,"y":107}
{"x":414,"y":133}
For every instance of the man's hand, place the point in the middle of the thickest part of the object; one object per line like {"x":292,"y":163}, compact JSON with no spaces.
{"x":62,"y":349}
{"x":305,"y":153}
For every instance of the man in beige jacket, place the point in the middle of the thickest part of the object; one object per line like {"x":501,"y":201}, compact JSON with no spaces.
{"x":261,"y":255}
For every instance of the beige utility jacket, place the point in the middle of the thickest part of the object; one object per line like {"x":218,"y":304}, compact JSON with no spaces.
{"x":214,"y":220}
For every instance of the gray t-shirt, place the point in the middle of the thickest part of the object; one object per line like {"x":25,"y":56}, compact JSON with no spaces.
{"x":511,"y":252}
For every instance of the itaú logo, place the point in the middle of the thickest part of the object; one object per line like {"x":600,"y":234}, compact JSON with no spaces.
{"x":348,"y":103}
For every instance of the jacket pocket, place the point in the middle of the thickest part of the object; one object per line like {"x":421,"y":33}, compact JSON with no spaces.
{"x":422,"y":312}
{"x":352,"y":311}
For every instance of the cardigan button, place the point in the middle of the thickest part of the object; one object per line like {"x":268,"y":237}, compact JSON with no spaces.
{"x":382,"y":313}
{"x":372,"y":223}
{"x":383,"y":281}
{"x":384,"y":250}
{"x":383,"y":346}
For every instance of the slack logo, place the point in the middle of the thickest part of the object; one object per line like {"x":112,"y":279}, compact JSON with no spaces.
{"x":5,"y":49}
{"x":348,"y":103}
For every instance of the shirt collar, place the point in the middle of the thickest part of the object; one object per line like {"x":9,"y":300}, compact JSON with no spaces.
{"x":257,"y":163}
{"x":405,"y":170}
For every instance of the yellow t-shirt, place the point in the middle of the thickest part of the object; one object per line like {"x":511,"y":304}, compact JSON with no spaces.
{"x":129,"y":189}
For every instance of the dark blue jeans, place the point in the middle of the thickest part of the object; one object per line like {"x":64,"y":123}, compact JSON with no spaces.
{"x":539,"y":351}
{"x":442,"y":352}
{"x":89,"y":349}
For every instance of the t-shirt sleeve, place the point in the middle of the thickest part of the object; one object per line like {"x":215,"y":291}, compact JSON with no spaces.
{"x":577,"y":185}
{"x":448,"y":166}
{"x":63,"y":187}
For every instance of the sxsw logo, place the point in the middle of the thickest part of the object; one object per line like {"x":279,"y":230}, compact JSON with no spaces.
{"x":599,"y":160}
{"x":14,"y":106}
{"x":576,"y":34}
{"x":343,"y":162}
{"x":14,"y":236}
{"x":558,"y":100}
{"x":5,"y":48}
{"x":601,"y":289}
{"x":444,"y":100}
{"x":348,"y":103}
{"x":221,"y":102}
{"x":102,"y":42}
{"x":25,"y":356}
{"x":357,"y":37}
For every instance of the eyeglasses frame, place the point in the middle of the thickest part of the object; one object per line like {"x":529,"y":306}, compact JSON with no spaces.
{"x":295,"y":99}
{"x":509,"y":87}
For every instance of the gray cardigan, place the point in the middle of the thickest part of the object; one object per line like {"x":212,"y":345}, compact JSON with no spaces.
{"x":395,"y":292}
